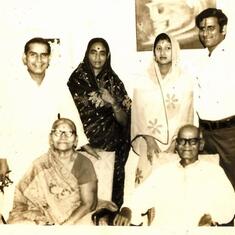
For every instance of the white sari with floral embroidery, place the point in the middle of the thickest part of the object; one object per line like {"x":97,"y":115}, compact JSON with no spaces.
{"x":159,"y":109}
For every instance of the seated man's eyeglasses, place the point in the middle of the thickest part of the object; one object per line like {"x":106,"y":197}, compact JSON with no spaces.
{"x":59,"y":133}
{"x":183,"y":141}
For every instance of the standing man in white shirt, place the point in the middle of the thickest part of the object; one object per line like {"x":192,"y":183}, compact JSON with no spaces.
{"x":35,"y":99}
{"x":215,"y":92}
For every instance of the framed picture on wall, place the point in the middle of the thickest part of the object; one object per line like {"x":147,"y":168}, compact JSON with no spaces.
{"x":176,"y":17}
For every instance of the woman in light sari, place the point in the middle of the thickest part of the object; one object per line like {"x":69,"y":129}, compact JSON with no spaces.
{"x":161,"y":107}
{"x":60,"y":187}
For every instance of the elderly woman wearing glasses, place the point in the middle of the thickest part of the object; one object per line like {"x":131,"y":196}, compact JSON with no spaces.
{"x":60,"y":187}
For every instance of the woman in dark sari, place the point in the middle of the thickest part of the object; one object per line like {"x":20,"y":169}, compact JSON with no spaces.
{"x":104,"y":108}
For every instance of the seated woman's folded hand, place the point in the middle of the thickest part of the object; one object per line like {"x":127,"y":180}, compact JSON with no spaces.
{"x":123,"y":218}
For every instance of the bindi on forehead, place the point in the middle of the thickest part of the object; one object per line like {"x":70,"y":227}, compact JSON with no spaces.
{"x":98,"y":46}
{"x":100,"y":49}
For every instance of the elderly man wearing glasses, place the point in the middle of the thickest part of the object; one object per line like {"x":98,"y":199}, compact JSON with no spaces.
{"x":189,"y":192}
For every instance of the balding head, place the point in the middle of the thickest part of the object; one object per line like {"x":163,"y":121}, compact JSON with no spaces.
{"x":188,"y":144}
{"x":189,"y":130}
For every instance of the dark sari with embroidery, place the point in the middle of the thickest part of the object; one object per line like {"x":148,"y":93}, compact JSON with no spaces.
{"x":100,"y":125}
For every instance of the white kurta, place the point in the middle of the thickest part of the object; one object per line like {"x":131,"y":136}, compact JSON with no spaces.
{"x":181,"y":196}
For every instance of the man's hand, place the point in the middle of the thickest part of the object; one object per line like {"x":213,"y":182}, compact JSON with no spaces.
{"x":151,"y":215}
{"x":123,"y":218}
{"x":4,"y":174}
{"x":206,"y":220}
{"x":4,"y":168}
{"x":105,"y":212}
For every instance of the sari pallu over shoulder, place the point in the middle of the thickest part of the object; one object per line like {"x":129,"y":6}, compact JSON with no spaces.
{"x":48,"y":193}
{"x":100,"y":125}
{"x":159,"y":109}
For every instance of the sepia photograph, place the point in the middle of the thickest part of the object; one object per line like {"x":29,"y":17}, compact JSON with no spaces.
{"x":117,"y":117}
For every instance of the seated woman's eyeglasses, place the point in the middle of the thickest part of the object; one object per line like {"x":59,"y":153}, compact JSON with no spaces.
{"x":183,"y":141}
{"x":59,"y":133}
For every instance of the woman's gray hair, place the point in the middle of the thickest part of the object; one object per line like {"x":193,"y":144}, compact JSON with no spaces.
{"x":65,"y":120}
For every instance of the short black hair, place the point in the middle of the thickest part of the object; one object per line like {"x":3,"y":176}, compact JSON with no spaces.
{"x":212,"y":12}
{"x":37,"y":40}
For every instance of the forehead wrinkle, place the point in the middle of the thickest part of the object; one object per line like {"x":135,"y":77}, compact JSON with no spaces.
{"x":38,"y":48}
{"x":193,"y":132}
